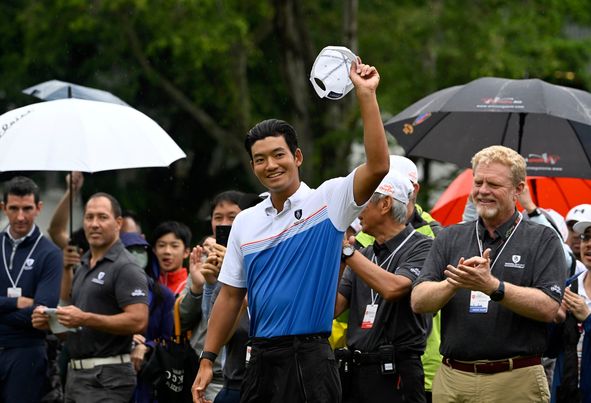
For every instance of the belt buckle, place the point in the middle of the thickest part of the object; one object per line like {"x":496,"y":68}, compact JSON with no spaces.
{"x":356,"y":357}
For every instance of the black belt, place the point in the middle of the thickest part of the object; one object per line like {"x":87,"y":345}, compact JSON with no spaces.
{"x":493,"y":367}
{"x":280,"y":341}
{"x":361,"y":358}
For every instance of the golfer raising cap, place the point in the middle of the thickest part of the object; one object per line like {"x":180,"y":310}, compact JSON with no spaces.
{"x":286,"y":252}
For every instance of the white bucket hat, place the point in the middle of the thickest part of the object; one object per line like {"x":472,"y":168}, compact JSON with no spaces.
{"x":330,"y":72}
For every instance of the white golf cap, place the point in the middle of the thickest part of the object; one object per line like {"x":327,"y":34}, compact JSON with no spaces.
{"x":396,"y":186}
{"x":583,"y":218}
{"x":404,"y":166}
{"x":559,"y":221}
{"x":330,"y":72}
{"x":578,"y":213}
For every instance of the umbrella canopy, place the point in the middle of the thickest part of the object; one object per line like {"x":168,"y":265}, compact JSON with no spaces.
{"x":55,"y":89}
{"x":559,"y":194}
{"x":80,"y":135}
{"x":549,"y":125}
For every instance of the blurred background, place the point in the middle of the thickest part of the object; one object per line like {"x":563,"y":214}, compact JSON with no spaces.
{"x":208,"y":70}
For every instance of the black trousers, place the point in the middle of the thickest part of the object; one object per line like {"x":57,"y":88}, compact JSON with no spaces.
{"x":291,"y":369}
{"x":367,"y":384}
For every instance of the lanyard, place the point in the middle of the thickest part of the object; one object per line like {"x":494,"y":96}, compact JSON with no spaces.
{"x":386,"y":262}
{"x":14,"y":283}
{"x":510,"y":232}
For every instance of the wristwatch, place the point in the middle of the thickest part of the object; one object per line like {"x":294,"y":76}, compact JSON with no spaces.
{"x":207,"y":355}
{"x":536,"y":212}
{"x":499,"y":293}
{"x":348,"y":251}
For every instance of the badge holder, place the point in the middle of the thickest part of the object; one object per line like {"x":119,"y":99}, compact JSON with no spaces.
{"x":387,"y":365}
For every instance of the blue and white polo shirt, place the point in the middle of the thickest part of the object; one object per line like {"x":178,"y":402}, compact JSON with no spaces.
{"x":289,"y":262}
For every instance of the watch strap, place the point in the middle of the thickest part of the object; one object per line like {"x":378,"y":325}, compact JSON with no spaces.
{"x":534,"y":213}
{"x":499,"y":293}
{"x":208,"y":355}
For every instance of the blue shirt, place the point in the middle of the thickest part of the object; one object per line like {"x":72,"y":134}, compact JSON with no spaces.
{"x":289,"y":261}
{"x":39,"y":263}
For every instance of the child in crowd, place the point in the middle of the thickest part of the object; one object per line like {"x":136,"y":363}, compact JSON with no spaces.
{"x":171,"y":246}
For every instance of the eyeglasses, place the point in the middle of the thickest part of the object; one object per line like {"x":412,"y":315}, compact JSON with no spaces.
{"x":585,"y":237}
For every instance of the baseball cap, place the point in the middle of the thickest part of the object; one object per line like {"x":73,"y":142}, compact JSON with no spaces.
{"x":558,"y":220}
{"x":578,"y":213}
{"x":330,"y":72}
{"x":396,"y":186}
{"x":404,"y":166}
{"x":583,"y":219}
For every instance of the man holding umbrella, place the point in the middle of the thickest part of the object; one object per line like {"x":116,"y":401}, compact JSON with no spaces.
{"x":497,"y":280}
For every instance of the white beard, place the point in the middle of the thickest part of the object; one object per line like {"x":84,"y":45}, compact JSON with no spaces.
{"x":487,"y":212}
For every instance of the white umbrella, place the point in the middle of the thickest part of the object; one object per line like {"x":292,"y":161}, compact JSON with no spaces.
{"x":80,"y":135}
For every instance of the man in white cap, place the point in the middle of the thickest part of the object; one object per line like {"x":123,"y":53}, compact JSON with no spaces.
{"x":417,"y":217}
{"x":427,"y":225}
{"x":575,"y":215}
{"x":385,"y":337}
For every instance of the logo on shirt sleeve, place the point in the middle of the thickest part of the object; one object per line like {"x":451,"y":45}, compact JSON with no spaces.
{"x":298,"y":214}
{"x":138,"y":293}
{"x":556,"y":290}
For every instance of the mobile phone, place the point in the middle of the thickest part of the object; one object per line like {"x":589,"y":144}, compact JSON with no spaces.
{"x":222,"y":232}
{"x":50,"y":311}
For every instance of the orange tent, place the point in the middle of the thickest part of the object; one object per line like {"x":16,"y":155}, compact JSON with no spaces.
{"x":559,"y":194}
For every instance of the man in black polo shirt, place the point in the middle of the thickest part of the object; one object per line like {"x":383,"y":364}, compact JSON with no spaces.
{"x":109,"y":304}
{"x":497,"y":280}
{"x":385,"y":337}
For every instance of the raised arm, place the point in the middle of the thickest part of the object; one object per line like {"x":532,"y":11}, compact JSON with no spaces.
{"x":368,"y":176}
{"x":58,"y":226}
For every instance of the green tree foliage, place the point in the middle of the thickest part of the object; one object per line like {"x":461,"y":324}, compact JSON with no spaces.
{"x":207,"y":70}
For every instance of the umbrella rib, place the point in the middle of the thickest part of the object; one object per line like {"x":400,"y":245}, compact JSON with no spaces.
{"x":561,"y":191}
{"x":579,"y":140}
{"x":505,"y":128}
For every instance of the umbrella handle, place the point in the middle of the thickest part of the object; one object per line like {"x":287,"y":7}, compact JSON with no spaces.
{"x":71,"y":203}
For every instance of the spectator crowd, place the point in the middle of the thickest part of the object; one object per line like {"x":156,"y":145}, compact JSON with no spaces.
{"x":348,"y":292}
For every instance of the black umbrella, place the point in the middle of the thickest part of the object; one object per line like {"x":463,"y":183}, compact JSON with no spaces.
{"x":549,"y":125}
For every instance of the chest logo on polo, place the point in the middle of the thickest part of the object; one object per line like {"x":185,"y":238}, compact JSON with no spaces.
{"x":514,"y":263}
{"x":298,"y":214}
{"x":100,"y":278}
{"x":29,"y":264}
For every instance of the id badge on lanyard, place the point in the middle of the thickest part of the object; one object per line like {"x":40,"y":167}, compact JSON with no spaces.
{"x":370,"y":316}
{"x":478,"y":302}
{"x":14,"y":292}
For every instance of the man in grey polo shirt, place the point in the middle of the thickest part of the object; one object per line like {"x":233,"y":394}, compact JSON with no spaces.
{"x":387,"y":339}
{"x":109,"y":304}
{"x":498,"y":281}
